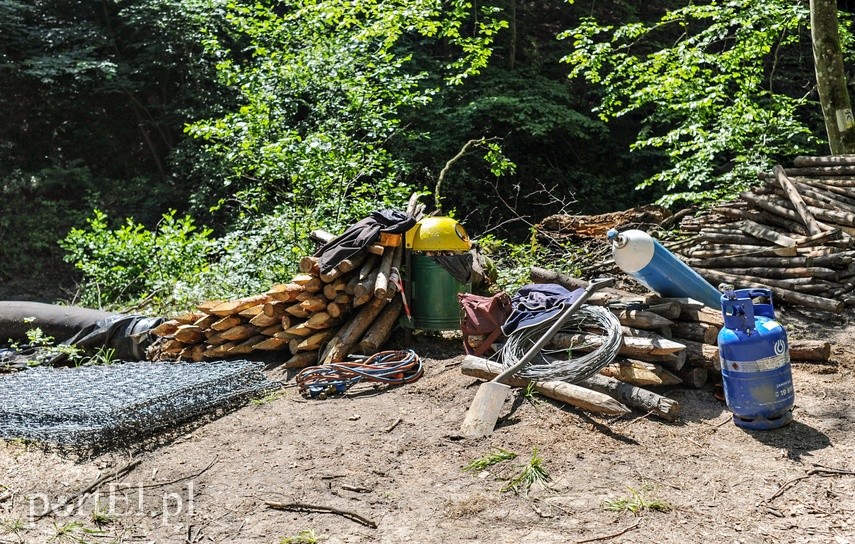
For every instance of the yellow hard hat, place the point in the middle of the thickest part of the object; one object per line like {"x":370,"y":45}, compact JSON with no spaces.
{"x":437,"y":234}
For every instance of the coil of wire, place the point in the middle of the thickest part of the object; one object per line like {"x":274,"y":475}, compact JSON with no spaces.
{"x":385,"y":367}
{"x":555,"y":364}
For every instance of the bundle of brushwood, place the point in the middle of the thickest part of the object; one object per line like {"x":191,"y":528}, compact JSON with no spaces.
{"x":667,"y":342}
{"x":793,"y":235}
{"x":587,"y":234}
{"x":563,"y":228}
{"x":317,"y":317}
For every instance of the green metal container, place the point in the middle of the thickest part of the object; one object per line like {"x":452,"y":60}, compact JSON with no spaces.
{"x":433,"y":295}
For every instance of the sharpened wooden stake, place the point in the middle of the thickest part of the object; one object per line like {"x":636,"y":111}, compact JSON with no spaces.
{"x":640,"y":373}
{"x":262,"y":320}
{"x":343,"y":342}
{"x":237,"y":306}
{"x":302,"y":360}
{"x":381,"y":329}
{"x":633,"y":346}
{"x":381,"y":283}
{"x":765,"y":233}
{"x":226,"y":323}
{"x":189,"y":334}
{"x":287,"y":292}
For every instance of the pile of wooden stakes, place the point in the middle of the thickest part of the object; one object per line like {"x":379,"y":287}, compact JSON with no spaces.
{"x":318,"y":318}
{"x":667,"y":342}
{"x":794,"y":235}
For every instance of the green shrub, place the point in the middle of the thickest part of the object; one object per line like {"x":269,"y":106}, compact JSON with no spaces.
{"x":513,"y":261}
{"x":175,"y":266}
{"x":132,"y":264}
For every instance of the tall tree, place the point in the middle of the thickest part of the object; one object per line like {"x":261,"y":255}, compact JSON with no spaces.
{"x":831,"y":77}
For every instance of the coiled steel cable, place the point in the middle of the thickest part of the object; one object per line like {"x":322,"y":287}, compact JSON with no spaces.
{"x":548,"y":364}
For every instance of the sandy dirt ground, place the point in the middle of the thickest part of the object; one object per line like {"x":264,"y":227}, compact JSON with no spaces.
{"x":387,"y":465}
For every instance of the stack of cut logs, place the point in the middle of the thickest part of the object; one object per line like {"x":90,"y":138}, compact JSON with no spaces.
{"x":316,"y":317}
{"x":667,"y":341}
{"x":794,"y":235}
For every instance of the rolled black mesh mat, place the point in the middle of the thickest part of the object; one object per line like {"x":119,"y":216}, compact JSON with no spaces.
{"x":100,"y":407}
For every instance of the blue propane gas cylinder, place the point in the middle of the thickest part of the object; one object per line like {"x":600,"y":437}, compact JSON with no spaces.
{"x":641,"y":256}
{"x":755,"y":361}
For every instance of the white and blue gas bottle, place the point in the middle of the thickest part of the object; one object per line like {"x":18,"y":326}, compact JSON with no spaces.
{"x":641,"y":256}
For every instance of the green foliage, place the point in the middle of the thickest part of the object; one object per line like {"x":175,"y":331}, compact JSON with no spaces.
{"x":637,"y":502}
{"x":107,"y":85}
{"x":321,"y":86}
{"x":530,"y":394}
{"x":494,"y":157}
{"x":270,"y":397}
{"x":500,"y":164}
{"x":259,"y":250}
{"x":177,"y":265}
{"x":35,"y":208}
{"x":489,"y":460}
{"x":525,"y":103}
{"x":703,"y":78}
{"x":513,"y":261}
{"x":265,"y":248}
{"x":132,"y":263}
{"x":94,"y":97}
{"x":102,"y":356}
{"x":557,"y":151}
{"x":298,"y":115}
{"x":43,"y":348}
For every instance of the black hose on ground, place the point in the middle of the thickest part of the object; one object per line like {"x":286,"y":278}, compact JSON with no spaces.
{"x":127,"y":335}
{"x":60,"y":322}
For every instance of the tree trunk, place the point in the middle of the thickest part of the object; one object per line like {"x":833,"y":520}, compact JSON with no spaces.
{"x":830,"y":77}
{"x":512,"y":36}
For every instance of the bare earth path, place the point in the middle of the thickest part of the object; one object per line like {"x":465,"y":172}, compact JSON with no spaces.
{"x":393,"y":457}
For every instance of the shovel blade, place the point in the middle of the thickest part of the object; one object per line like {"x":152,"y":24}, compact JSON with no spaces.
{"x":484,"y":411}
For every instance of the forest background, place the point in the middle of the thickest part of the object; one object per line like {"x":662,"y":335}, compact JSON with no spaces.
{"x":154,"y":153}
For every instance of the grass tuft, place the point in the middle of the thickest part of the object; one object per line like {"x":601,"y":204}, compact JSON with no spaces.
{"x":102,"y":516}
{"x":532,"y":473}
{"x":530,"y":395}
{"x":270,"y":397}
{"x":489,"y":460}
{"x":637,"y":502}
{"x":74,"y":532}
{"x":305,"y":537}
{"x":12,"y":526}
